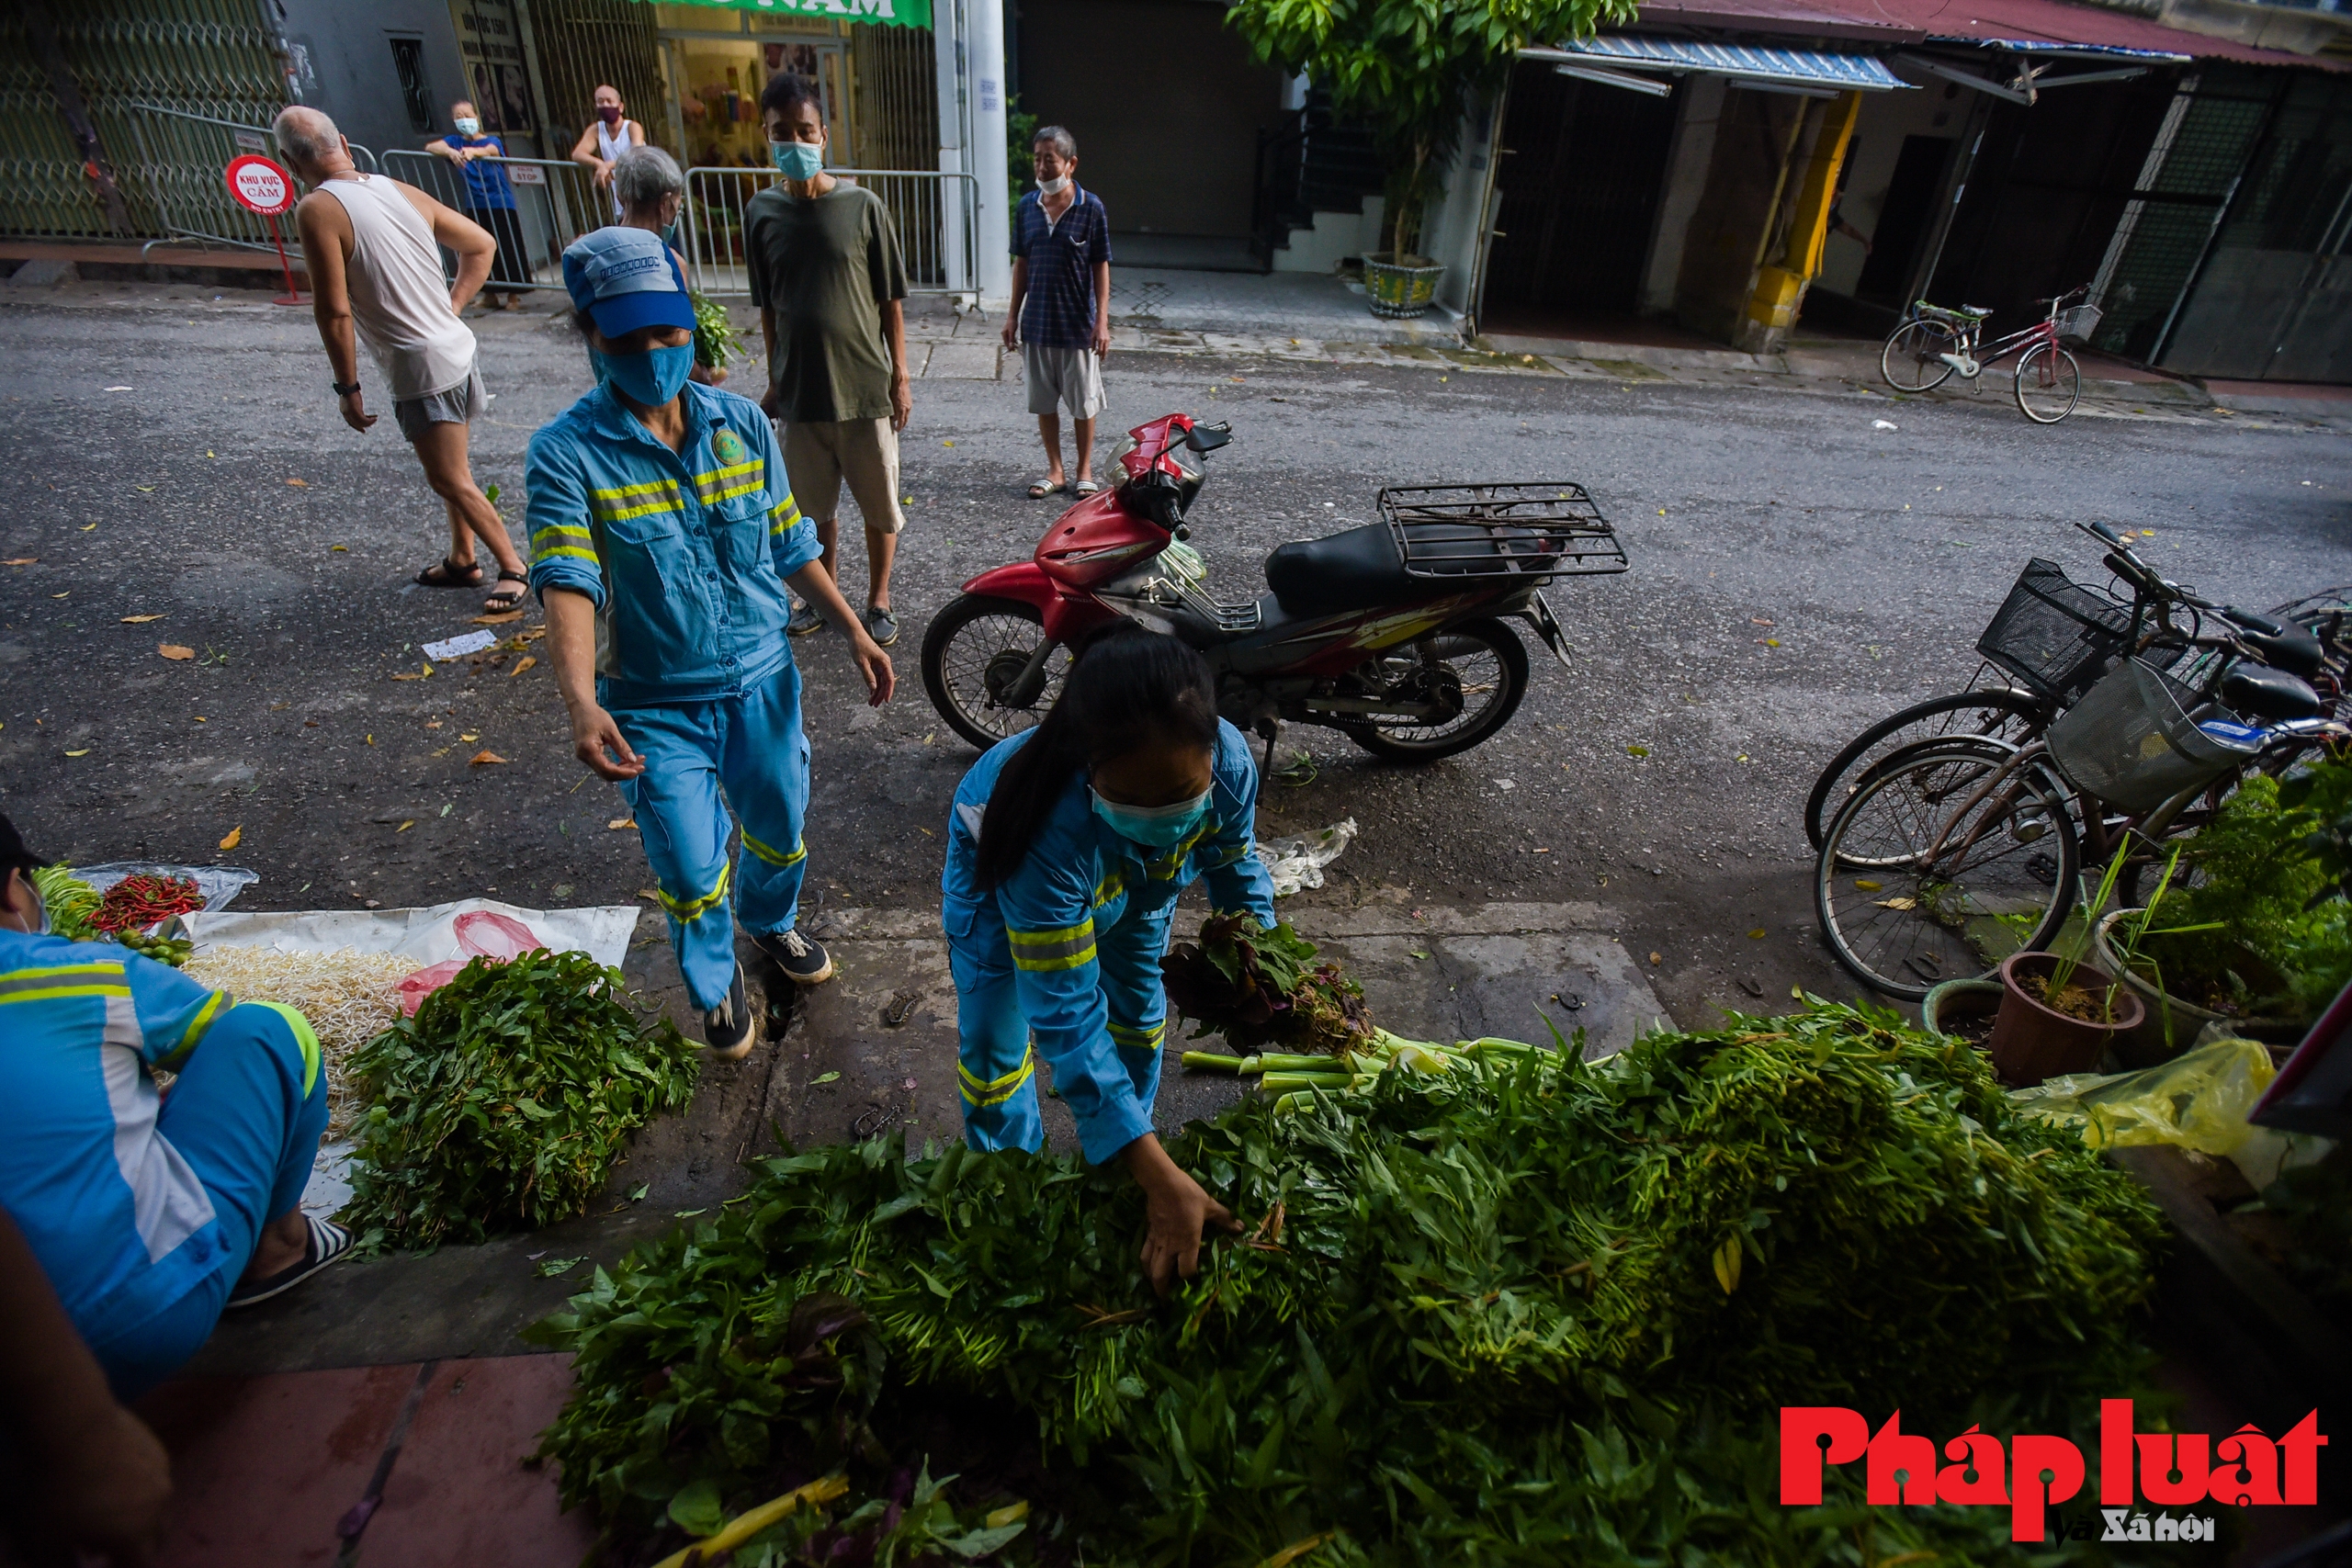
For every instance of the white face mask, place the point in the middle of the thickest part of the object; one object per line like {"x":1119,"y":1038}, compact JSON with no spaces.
{"x":1054,"y":187}
{"x":468,"y":127}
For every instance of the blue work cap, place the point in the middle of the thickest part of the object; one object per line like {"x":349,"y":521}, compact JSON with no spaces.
{"x":626,"y":279}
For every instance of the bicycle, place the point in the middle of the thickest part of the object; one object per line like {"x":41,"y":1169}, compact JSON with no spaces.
{"x":2053,"y":638}
{"x":1932,"y":343}
{"x":1912,"y":889}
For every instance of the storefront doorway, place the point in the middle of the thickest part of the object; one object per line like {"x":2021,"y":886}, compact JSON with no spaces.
{"x":1582,"y":168}
{"x":715,"y":81}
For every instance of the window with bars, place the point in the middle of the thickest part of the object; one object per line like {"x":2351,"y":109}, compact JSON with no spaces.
{"x":408,"y":62}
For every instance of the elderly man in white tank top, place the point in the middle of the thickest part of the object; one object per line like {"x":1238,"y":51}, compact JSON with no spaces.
{"x":371,"y":245}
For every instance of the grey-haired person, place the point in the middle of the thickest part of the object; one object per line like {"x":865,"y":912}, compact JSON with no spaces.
{"x":652,"y":192}
{"x":1060,"y":316}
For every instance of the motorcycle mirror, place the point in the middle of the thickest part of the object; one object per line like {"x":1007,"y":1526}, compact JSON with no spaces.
{"x":1208,"y":437}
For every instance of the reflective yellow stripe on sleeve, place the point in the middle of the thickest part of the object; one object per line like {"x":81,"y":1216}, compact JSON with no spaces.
{"x":782,"y":515}
{"x":214,"y":1005}
{"x":306,"y":1040}
{"x":558,"y":539}
{"x":1041,"y":951}
{"x":980,"y":1093}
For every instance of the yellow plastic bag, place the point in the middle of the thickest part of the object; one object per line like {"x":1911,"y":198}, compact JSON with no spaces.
{"x":2197,"y":1100}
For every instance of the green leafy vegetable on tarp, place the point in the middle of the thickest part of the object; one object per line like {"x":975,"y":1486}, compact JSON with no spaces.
{"x":1261,"y":987}
{"x":1523,"y":1310}
{"x":503,"y":1103}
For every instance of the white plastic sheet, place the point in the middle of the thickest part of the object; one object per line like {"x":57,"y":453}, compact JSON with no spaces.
{"x":1298,"y":863}
{"x":427,"y":935}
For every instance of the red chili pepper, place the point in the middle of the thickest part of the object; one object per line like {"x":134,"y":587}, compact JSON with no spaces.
{"x":139,"y":902}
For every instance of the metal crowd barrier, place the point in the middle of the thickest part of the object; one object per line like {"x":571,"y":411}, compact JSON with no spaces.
{"x":179,"y":168}
{"x":936,"y":214}
{"x":555,"y":201}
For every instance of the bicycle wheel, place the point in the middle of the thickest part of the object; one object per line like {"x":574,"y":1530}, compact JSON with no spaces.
{"x":1919,"y":882}
{"x":1911,"y":361}
{"x":2004,"y":715}
{"x":2049,"y":383}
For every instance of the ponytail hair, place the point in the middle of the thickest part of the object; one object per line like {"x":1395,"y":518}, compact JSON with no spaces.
{"x":1129,"y":686}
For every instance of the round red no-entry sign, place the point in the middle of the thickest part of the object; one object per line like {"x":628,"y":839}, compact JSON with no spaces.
{"x":259,"y":185}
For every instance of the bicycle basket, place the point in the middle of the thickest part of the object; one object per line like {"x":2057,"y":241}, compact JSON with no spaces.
{"x":2055,"y":635}
{"x":2077,"y":323}
{"x":2132,"y":742}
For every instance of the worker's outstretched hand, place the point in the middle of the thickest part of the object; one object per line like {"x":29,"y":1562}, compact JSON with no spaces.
{"x":1179,"y":1214}
{"x":598,"y":742}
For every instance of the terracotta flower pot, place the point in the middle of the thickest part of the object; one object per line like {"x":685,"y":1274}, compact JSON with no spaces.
{"x":2031,"y":1042}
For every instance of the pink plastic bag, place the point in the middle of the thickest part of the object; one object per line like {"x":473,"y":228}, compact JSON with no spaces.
{"x":481,"y":933}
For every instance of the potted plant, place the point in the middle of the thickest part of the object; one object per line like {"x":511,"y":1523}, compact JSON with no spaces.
{"x":2249,"y":926}
{"x":2057,"y":1012}
{"x":1407,"y":71}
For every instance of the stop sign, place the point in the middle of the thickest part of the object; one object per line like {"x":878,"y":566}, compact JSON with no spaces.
{"x":259,"y":185}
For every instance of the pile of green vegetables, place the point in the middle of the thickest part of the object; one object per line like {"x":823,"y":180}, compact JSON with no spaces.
{"x":1259,"y":987}
{"x":1519,"y":1310}
{"x":73,"y":914}
{"x":503,"y":1103}
{"x":2271,"y":871}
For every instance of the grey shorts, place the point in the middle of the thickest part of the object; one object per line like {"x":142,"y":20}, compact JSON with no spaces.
{"x":461,"y":404}
{"x":1059,"y":376}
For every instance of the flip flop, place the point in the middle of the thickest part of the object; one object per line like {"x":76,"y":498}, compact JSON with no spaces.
{"x":1045,"y":488}
{"x":328,"y":1244}
{"x":501,"y":598}
{"x":449,"y":574}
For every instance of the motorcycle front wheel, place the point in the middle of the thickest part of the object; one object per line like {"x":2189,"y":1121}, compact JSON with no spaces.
{"x":1482,"y":664}
{"x":973,"y":655}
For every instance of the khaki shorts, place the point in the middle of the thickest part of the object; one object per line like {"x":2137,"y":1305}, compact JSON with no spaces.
{"x":820,"y":455}
{"x":1059,"y":376}
{"x":461,"y":404}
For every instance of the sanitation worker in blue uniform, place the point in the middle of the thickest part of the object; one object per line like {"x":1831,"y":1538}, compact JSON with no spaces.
{"x":1067,"y":847}
{"x":662,"y":534}
{"x":149,"y":1216}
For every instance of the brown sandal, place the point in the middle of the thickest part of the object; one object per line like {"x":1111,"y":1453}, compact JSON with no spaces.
{"x":449,"y":574}
{"x":502,"y":598}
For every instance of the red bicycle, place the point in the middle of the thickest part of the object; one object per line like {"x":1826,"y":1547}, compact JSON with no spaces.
{"x":1933,"y":344}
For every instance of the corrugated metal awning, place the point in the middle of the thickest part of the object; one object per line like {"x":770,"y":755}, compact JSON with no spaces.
{"x":1782,"y":67}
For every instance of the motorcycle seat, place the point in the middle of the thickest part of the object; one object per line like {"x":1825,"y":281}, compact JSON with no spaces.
{"x":1358,"y":570}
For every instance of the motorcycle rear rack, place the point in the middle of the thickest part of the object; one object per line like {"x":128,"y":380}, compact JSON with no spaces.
{"x":1540,"y":527}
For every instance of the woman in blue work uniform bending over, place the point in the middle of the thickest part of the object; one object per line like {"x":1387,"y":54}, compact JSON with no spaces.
{"x":1066,"y":848}
{"x":663,"y":533}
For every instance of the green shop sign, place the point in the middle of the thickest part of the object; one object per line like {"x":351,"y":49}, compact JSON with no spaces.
{"x":884,"y":13}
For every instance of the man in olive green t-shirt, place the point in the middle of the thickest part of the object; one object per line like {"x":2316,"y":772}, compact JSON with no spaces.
{"x":830,"y":287}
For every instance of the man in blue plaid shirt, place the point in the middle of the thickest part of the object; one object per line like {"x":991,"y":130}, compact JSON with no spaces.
{"x":1061,"y":299}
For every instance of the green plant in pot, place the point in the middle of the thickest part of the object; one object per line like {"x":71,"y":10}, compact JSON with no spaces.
{"x":1407,"y":71}
{"x":2057,"y":1012}
{"x":2250,"y":927}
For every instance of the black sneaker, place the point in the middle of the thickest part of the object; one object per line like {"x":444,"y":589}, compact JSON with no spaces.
{"x":731,"y":1028}
{"x":328,"y":1243}
{"x":803,"y":960}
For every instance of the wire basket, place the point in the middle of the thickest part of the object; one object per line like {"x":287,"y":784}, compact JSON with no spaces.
{"x":1547,"y":527}
{"x":2131,"y":740}
{"x":2054,"y":635}
{"x":2077,"y":323}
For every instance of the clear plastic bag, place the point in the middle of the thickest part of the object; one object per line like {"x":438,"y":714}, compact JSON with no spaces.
{"x":2197,"y":1100}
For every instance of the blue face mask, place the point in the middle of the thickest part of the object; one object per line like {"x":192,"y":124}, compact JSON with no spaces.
{"x":1155,"y":826}
{"x":797,"y":160}
{"x":650,"y":379}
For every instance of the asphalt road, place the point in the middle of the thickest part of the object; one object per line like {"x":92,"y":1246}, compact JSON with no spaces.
{"x":1796,"y":573}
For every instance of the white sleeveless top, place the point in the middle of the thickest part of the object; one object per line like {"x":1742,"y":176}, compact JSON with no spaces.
{"x":399,"y":300}
{"x":611,"y":141}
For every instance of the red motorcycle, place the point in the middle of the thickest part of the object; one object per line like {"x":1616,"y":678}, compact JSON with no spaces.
{"x":1392,"y":634}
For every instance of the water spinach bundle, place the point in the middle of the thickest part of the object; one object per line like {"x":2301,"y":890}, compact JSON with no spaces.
{"x":1261,"y":987}
{"x":1523,"y":1310}
{"x":503,"y":1103}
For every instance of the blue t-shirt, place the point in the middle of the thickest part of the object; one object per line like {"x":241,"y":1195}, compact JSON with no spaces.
{"x":486,"y":184}
{"x":1058,"y":309}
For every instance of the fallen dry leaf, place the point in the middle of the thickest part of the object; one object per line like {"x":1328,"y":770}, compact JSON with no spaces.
{"x":83,"y":752}
{"x":22,"y":561}
{"x":484,"y":755}
{"x":236,"y":836}
{"x":173,"y":651}
{"x":139,"y":620}
{"x":468,"y":737}
{"x":405,"y":825}
{"x":1897,"y":903}
{"x":618,"y":823}
{"x":520,"y":665}
{"x":650,"y":895}
{"x":500,"y":619}
{"x":411,"y":676}
{"x":1656,"y":959}
{"x":299,"y":484}
{"x":1755,"y":935}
